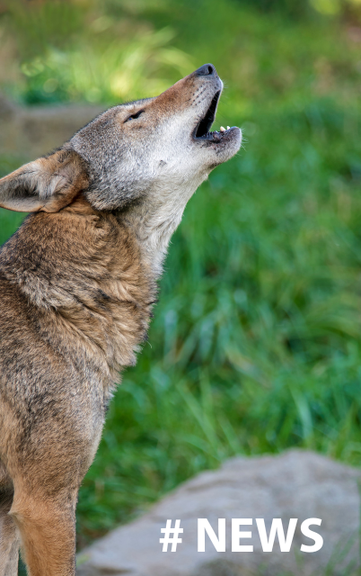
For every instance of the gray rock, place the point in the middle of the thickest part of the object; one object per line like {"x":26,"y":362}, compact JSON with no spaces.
{"x":297,"y":484}
{"x":30,"y":132}
{"x":7,"y":109}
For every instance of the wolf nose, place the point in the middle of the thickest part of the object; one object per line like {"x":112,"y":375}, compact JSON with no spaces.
{"x":206,"y":70}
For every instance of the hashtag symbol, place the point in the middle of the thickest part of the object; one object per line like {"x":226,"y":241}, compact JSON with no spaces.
{"x":171,"y":535}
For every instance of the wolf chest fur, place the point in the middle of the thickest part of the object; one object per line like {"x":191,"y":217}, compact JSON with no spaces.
{"x":77,"y":284}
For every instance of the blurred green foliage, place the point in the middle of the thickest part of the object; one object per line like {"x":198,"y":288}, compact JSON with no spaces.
{"x":255,"y":345}
{"x":68,"y":50}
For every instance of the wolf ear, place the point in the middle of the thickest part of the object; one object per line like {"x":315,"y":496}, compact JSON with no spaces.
{"x":48,"y":184}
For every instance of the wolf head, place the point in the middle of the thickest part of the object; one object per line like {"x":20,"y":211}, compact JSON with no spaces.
{"x":154,"y":148}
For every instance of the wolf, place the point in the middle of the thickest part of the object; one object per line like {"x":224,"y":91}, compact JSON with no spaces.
{"x":78,"y":281}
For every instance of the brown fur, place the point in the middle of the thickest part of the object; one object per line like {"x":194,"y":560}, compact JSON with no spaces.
{"x":77,"y":285}
{"x":77,"y":320}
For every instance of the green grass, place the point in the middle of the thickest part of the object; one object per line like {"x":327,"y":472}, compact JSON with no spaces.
{"x":255,"y":345}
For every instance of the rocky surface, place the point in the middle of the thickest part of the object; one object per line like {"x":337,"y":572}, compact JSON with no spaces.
{"x":29,"y":132}
{"x":296,"y":484}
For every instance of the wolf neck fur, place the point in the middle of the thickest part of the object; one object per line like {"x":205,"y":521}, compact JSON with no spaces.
{"x":154,"y":223}
{"x":102,"y":290}
{"x":100,"y":293}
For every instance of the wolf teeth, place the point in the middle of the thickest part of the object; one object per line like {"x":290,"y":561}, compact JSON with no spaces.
{"x":222,"y":129}
{"x":227,"y":127}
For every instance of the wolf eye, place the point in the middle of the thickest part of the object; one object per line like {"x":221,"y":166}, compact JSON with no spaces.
{"x":134,"y":116}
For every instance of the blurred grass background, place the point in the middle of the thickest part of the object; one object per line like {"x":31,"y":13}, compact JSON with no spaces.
{"x":255,"y":345}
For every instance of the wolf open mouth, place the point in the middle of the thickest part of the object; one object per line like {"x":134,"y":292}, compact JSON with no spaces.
{"x":201,"y":131}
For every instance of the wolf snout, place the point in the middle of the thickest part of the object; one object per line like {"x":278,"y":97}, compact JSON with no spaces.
{"x":206,"y":70}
